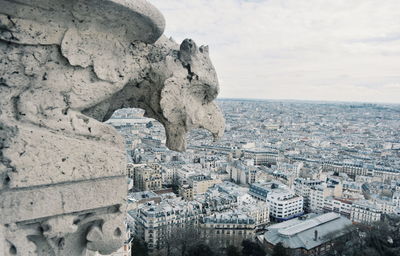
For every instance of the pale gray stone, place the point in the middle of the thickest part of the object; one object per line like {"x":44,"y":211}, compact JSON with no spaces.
{"x":65,"y":67}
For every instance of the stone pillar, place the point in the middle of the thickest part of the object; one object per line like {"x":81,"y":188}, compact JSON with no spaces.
{"x":65,"y":67}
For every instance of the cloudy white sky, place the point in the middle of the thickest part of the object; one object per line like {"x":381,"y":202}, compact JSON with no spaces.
{"x":346,"y":50}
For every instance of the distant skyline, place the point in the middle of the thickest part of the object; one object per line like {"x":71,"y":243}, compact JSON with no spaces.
{"x":296,"y":49}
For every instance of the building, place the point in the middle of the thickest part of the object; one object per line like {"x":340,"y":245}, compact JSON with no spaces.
{"x":352,"y":169}
{"x":167,"y":175}
{"x":338,"y":205}
{"x":303,"y":188}
{"x":200,"y":183}
{"x":363,"y":211}
{"x":396,"y":198}
{"x":138,"y":198}
{"x":224,"y":196}
{"x":155,"y":222}
{"x":309,"y":234}
{"x":186,"y":192}
{"x":355,"y":169}
{"x":318,"y":194}
{"x":386,"y":204}
{"x":259,"y":211}
{"x":284,"y":203}
{"x":262,"y":157}
{"x":228,"y":228}
{"x":242,"y":173}
{"x":147,"y":177}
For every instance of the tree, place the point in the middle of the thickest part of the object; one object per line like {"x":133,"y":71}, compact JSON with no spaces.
{"x":139,"y":247}
{"x":180,"y":239}
{"x":279,"y":250}
{"x":251,"y":248}
{"x":232,"y":251}
{"x":200,"y":250}
{"x":377,"y":239}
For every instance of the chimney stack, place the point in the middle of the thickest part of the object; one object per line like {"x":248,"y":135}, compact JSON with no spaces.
{"x":315,"y":235}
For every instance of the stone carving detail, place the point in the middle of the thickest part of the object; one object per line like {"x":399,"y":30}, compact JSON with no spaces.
{"x":65,"y":67}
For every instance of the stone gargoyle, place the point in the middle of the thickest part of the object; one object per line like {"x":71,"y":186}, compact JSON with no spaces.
{"x":65,"y":67}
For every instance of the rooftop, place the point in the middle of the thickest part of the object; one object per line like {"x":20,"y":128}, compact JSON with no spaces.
{"x":307,"y":231}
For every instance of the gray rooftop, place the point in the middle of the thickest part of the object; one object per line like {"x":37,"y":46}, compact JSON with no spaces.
{"x":300,"y":232}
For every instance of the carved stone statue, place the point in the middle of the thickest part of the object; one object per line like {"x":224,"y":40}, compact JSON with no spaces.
{"x":65,"y":67}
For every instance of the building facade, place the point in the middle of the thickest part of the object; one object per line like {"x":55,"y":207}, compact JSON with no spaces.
{"x":283,"y":202}
{"x":366,"y":212}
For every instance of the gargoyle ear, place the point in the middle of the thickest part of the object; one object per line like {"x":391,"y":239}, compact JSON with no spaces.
{"x":204,"y":49}
{"x":187,"y":49}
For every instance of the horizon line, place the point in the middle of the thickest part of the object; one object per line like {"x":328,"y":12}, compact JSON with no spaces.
{"x":310,"y":101}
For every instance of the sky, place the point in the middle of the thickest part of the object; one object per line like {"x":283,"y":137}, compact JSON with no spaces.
{"x":336,"y":50}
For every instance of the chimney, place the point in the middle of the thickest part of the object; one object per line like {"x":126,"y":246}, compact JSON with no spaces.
{"x":315,"y":235}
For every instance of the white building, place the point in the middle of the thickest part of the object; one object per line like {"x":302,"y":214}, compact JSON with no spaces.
{"x":338,"y":205}
{"x":167,"y":175}
{"x":318,"y":194}
{"x":284,"y":203}
{"x":303,"y":188}
{"x":364,"y":211}
{"x":386,"y":204}
{"x":242,"y":174}
{"x":396,"y":198}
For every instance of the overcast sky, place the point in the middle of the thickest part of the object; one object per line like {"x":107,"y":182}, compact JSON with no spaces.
{"x":346,"y":50}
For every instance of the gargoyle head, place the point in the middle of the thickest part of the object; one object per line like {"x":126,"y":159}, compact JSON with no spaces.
{"x":176,"y":85}
{"x":189,"y":86}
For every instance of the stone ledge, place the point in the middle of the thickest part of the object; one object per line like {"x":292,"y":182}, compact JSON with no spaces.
{"x":38,"y":202}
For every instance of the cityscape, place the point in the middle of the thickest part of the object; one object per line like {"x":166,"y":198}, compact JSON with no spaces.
{"x":295,"y":173}
{"x":199,"y":128}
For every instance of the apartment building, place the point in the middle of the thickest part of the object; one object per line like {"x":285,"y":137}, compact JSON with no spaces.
{"x":396,"y":198}
{"x":262,"y":157}
{"x":284,"y":203}
{"x":186,"y":192}
{"x":228,"y":228}
{"x":303,"y":188}
{"x":200,"y":183}
{"x":338,"y":205}
{"x":319,"y":192}
{"x":147,"y":177}
{"x":363,"y":211}
{"x":155,"y":222}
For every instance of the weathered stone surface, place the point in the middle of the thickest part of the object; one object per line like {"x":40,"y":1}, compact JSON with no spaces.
{"x":65,"y":67}
{"x":35,"y":203}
